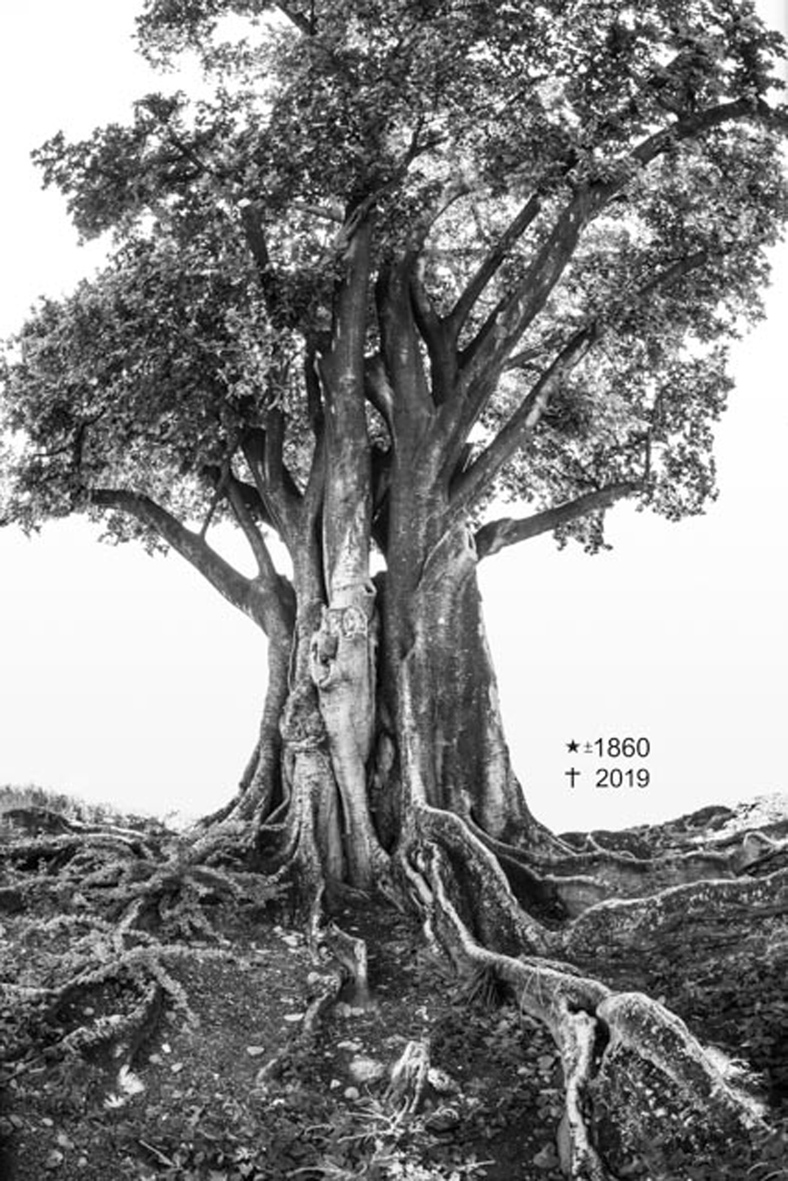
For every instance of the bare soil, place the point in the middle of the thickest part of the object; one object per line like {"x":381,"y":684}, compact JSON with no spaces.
{"x":190,"y":1105}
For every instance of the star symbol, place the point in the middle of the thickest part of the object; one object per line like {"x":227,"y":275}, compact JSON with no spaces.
{"x":572,"y":746}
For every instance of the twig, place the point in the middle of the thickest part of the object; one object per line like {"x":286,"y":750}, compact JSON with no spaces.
{"x":165,"y":1160}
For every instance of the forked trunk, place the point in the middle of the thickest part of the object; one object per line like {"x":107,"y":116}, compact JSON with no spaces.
{"x":335,"y":723}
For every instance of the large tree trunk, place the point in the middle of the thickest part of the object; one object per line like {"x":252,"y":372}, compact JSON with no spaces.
{"x":381,"y":764}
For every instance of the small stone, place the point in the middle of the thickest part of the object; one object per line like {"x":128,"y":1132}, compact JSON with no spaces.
{"x":255,"y":1051}
{"x":176,"y":1067}
{"x":54,"y":1159}
{"x":366,"y":1070}
{"x":82,"y":1163}
{"x":351,"y":1093}
{"x":349,"y":1044}
{"x":545,"y":1061}
{"x":342,"y":1010}
{"x":332,"y":1086}
{"x":47,"y":1122}
{"x":155,"y":1059}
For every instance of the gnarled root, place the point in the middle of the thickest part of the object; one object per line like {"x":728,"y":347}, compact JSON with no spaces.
{"x":696,"y":911}
{"x":578,"y":1034}
{"x":592,"y":1026}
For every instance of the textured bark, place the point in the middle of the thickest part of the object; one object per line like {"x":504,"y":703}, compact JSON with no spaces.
{"x":343,"y":669}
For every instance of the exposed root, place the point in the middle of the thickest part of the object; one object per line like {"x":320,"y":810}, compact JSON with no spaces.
{"x":54,"y":853}
{"x":126,"y":978}
{"x":698,"y":911}
{"x":578,"y":1032}
{"x":501,"y":920}
{"x":557,"y":885}
{"x":646,"y":1026}
{"x":589,"y":1023}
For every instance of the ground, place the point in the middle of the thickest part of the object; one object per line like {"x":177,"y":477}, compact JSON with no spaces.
{"x":219,"y":1081}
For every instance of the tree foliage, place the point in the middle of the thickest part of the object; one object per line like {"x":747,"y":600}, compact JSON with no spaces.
{"x":569,"y":206}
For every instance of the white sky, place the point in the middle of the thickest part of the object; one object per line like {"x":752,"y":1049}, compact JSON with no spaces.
{"x":127,"y":679}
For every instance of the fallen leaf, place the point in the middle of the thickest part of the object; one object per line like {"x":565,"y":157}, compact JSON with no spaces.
{"x":129,"y":1082}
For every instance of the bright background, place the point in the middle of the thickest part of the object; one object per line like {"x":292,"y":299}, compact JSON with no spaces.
{"x":126,"y":679}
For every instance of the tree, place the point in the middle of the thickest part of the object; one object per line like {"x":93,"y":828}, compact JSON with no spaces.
{"x":401,"y":262}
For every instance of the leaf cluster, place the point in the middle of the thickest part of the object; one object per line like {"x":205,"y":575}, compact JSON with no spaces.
{"x":437,"y":121}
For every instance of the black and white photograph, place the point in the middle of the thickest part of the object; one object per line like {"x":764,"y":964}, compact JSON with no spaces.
{"x":393,"y":569}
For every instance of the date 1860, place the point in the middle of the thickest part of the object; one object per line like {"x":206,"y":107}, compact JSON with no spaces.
{"x":618,"y":769}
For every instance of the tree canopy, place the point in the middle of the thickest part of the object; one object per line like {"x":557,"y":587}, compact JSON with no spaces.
{"x":565,"y":207}
{"x":391,"y":264}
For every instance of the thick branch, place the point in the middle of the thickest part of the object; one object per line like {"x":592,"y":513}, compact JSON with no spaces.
{"x":402,"y":369}
{"x":279,"y":310}
{"x":497,"y":535}
{"x":440,"y":341}
{"x":521,"y":425}
{"x":348,"y":501}
{"x":263,"y":603}
{"x":304,"y":24}
{"x":254,"y":536}
{"x":515,"y":311}
{"x":490,"y":264}
{"x":275,"y":486}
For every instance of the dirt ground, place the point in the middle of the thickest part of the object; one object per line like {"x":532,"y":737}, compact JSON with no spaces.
{"x":189,"y":1104}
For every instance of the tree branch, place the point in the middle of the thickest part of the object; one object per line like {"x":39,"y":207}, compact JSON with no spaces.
{"x":490,"y":264}
{"x":254,"y":536}
{"x":399,"y":380}
{"x":497,"y":535}
{"x":278,"y":492}
{"x":264,"y":603}
{"x":522,"y":423}
{"x":304,"y":24}
{"x":440,"y":341}
{"x":347,"y":505}
{"x":515,"y":311}
{"x":279,"y":311}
